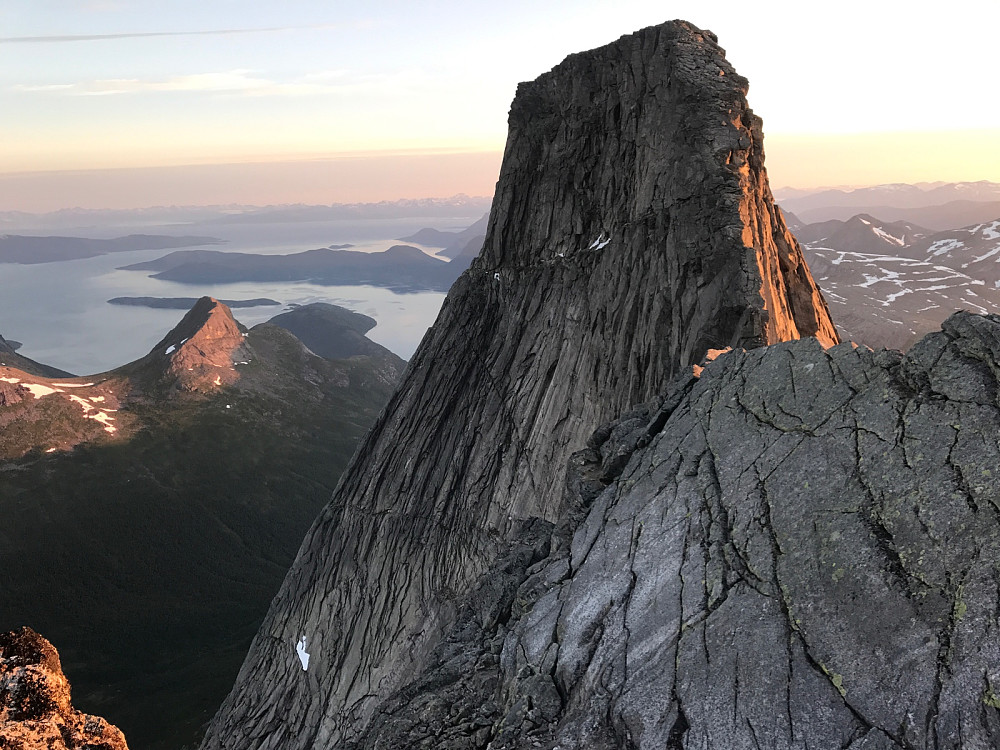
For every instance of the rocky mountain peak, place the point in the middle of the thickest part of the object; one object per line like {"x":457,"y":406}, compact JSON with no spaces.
{"x":632,"y":230}
{"x":646,"y":148}
{"x":199,"y":352}
{"x":35,"y":707}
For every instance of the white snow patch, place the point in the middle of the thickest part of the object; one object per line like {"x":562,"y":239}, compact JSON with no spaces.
{"x":86,"y":406}
{"x":104,"y":419}
{"x":217,"y":381}
{"x":893,"y":298}
{"x":101,"y":416}
{"x":170,"y":349}
{"x":51,"y":450}
{"x":888,"y":237}
{"x":601,"y":241}
{"x":71,"y":385}
{"x":496,"y":276}
{"x":300,"y":649}
{"x":864,"y":222}
{"x":38,"y":390}
{"x":11,"y":380}
{"x":942,"y":247}
{"x":989,"y":254}
{"x":989,"y":231}
{"x":97,"y":398}
{"x":889,"y":276}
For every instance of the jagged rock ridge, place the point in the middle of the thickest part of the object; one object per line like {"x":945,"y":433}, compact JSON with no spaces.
{"x":35,"y":708}
{"x":800,"y":552}
{"x":632,"y":230}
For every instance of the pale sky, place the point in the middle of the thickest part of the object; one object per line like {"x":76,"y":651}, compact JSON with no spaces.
{"x":850,"y":92}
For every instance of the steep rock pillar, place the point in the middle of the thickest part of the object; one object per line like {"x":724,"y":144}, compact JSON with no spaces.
{"x":632,"y":230}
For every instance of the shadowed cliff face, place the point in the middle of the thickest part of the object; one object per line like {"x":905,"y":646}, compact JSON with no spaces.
{"x":632,"y":230}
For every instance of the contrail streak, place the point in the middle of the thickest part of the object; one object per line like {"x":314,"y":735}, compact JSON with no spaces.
{"x":146,"y":34}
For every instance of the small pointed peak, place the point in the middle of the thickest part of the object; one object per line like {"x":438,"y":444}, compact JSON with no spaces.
{"x":199,"y":351}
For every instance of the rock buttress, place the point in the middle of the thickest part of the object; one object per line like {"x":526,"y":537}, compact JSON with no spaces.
{"x":800,"y":551}
{"x":632,"y":229}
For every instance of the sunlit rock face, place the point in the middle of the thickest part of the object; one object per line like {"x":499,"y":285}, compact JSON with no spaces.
{"x":35,"y":708}
{"x":632,"y":230}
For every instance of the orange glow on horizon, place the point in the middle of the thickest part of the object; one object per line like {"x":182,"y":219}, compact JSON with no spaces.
{"x":822,"y":160}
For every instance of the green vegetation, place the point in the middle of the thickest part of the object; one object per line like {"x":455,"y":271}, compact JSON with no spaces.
{"x":150,"y":562}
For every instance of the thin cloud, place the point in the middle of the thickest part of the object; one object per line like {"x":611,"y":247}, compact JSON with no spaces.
{"x":148,"y":34}
{"x":242,"y":82}
{"x":44,"y":87}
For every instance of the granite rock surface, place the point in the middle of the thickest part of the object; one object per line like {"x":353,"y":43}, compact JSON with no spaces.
{"x":632,"y":230}
{"x":801,"y":551}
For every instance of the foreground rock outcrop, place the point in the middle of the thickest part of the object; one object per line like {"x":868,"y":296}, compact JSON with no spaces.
{"x":632,"y":230}
{"x":800,"y":552}
{"x":35,"y":708}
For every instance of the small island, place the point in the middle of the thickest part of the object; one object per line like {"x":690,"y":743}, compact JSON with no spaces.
{"x":401,"y":268}
{"x":185,"y":303}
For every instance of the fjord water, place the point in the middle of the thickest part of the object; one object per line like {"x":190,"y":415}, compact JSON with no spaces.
{"x":61,"y":314}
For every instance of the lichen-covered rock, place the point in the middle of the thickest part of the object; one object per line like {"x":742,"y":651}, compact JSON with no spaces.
{"x":632,"y":230}
{"x":35,"y":708}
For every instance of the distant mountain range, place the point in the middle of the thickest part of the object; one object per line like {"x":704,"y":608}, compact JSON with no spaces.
{"x":185,"y":303}
{"x":469,"y":241}
{"x":29,"y":249}
{"x":457,"y":205}
{"x":151,"y":511}
{"x":938,"y":206}
{"x":889,"y":283}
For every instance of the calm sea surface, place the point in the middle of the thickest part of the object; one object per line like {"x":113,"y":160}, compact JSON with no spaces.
{"x":59,"y":311}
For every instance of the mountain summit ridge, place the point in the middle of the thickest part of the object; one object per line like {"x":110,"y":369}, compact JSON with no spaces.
{"x":632,"y":230}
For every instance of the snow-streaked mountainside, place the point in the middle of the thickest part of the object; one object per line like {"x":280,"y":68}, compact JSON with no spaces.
{"x":938,"y":206}
{"x":862,"y":233}
{"x":900,"y":195}
{"x":889,"y":283}
{"x":150,"y":512}
{"x":975,"y":250}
